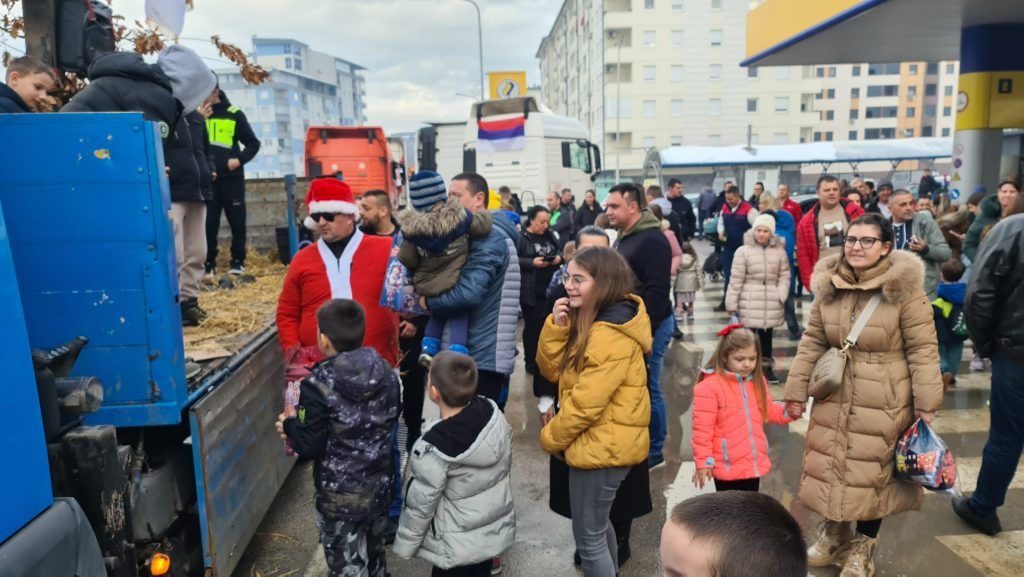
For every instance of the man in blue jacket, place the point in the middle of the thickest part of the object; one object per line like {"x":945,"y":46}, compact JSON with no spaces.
{"x":488,"y":288}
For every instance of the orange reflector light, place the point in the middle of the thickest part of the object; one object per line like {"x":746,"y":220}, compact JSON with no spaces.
{"x":159,"y":564}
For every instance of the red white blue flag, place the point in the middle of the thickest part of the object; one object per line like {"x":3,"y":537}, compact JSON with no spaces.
{"x":500,"y":135}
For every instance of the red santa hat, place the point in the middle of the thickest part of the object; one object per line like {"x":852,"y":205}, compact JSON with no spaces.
{"x":328,"y":195}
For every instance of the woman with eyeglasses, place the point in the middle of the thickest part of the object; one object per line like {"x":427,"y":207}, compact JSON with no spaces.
{"x":593,"y":345}
{"x":890,"y":379}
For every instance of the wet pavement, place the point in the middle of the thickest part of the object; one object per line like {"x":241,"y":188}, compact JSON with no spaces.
{"x":931,"y":542}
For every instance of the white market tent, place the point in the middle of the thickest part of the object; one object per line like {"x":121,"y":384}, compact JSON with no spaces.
{"x":826,"y":153}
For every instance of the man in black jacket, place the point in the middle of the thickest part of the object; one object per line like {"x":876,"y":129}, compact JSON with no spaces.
{"x":683,"y":209}
{"x":27,"y":83}
{"x":234,"y":144}
{"x":166,"y":93}
{"x":994,"y":311}
{"x":649,"y":255}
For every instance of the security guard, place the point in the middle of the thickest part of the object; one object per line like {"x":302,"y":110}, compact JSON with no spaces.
{"x":233,"y":143}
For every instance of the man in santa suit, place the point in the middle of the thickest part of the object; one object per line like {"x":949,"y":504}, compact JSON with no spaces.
{"x":343,"y":264}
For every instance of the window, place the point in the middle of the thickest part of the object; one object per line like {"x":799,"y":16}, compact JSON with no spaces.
{"x":714,"y":139}
{"x":623,"y":110}
{"x":751,"y":105}
{"x":677,"y":38}
{"x":852,"y":135}
{"x":856,"y":70}
{"x":831,"y":94}
{"x":677,"y":73}
{"x":911,"y":93}
{"x":932,"y":68}
{"x":830,"y":115}
{"x":945,"y":132}
{"x":908,"y":133}
{"x":716,"y":37}
{"x":677,"y":4}
{"x":884,"y":90}
{"x":675,"y":141}
{"x":879,"y":133}
{"x":649,"y":37}
{"x":715,"y":106}
{"x":911,"y":112}
{"x":820,"y":72}
{"x":947,"y":91}
{"x":648,"y":73}
{"x":855,"y":93}
{"x":950,"y":68}
{"x":782,"y":73}
{"x":947,"y":111}
{"x":854,"y":114}
{"x":716,"y":71}
{"x":931,"y":89}
{"x":650,"y":108}
{"x":831,"y":71}
{"x":781,"y":138}
{"x":929,"y":111}
{"x":751,"y":72}
{"x":298,"y":64}
{"x":883,"y":69}
{"x":781,"y":104}
{"x":912,"y":70}
{"x":817,"y":136}
{"x":677,"y":108}
{"x":882,"y":112}
{"x":819,"y":95}
{"x":287,"y":62}
{"x":716,"y":4}
{"x":828,"y":136}
{"x":648,"y":4}
{"x":648,"y":142}
{"x":927,"y":131}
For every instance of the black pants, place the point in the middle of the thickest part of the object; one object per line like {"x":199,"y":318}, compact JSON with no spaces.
{"x":533,"y":321}
{"x":414,"y":382}
{"x":869,"y":528}
{"x":765,"y":336}
{"x":753,"y":485}
{"x":481,"y":569}
{"x":229,"y":196}
{"x":490,"y":384}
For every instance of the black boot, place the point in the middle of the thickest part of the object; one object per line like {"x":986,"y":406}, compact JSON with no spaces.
{"x":622,"y":531}
{"x":191,"y":314}
{"x":769,"y":374}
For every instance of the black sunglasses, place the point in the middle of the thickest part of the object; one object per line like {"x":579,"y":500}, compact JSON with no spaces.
{"x":328,"y":216}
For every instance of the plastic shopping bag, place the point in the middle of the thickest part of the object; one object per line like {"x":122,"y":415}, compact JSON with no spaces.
{"x":397,"y":293}
{"x":923,"y":458}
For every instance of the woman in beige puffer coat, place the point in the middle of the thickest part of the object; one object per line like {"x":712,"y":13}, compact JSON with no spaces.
{"x":759,"y":285}
{"x":891,"y":376}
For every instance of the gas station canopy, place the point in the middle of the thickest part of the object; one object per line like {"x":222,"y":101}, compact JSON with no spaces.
{"x":786,"y":32}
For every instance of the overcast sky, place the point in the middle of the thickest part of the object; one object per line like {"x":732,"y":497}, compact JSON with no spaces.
{"x":419,"y":53}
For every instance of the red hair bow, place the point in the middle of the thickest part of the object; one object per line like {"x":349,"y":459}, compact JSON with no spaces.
{"x":730,"y":328}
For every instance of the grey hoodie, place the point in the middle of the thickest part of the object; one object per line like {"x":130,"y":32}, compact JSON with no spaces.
{"x":191,"y":79}
{"x":458,"y":503}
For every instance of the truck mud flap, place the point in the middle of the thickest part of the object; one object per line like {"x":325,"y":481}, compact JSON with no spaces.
{"x":239,"y":459}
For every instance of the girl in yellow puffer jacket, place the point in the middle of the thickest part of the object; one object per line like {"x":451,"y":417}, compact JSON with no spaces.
{"x":593,"y":346}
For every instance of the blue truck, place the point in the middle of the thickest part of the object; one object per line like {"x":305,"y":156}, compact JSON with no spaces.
{"x":116,"y":462}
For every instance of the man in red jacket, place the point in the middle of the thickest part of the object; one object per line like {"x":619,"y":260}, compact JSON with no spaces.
{"x":821,"y":231}
{"x":344,"y":263}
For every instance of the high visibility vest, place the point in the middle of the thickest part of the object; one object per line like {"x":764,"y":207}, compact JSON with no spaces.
{"x":222,"y":130}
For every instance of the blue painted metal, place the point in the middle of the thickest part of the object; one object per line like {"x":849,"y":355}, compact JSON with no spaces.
{"x":991,"y":48}
{"x":25,"y":484}
{"x":94,"y":254}
{"x":293,"y":231}
{"x":843,"y":16}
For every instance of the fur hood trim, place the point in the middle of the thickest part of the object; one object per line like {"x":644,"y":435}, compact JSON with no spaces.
{"x":902,"y":280}
{"x":440,"y":222}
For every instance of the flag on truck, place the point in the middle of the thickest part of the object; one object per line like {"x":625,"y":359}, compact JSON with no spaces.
{"x":500,"y":135}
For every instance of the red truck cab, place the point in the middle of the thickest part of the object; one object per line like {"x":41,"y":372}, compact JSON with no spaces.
{"x":360,"y":155}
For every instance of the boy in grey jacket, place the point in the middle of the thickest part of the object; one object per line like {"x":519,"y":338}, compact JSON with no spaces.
{"x":458,"y":505}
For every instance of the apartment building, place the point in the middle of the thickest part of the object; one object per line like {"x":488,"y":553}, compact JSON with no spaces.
{"x":306,"y":88}
{"x":644,"y":74}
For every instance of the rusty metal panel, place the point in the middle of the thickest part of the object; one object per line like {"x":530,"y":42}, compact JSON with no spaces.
{"x":239,"y":459}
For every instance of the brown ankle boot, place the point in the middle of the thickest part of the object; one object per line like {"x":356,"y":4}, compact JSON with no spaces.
{"x":830,"y":545}
{"x":860,"y":561}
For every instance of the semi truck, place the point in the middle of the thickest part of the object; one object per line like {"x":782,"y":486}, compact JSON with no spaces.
{"x":554,"y":154}
{"x":362,"y":156}
{"x":119,"y":462}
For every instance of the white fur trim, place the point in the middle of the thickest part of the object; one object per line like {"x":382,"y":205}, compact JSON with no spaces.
{"x":309,"y":223}
{"x":335,"y":206}
{"x":339,"y":270}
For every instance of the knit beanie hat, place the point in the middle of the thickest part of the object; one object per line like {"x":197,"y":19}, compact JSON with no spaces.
{"x":766,"y":221}
{"x":426,"y":189}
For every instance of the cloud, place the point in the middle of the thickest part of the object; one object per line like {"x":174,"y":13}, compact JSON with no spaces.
{"x":419,"y":53}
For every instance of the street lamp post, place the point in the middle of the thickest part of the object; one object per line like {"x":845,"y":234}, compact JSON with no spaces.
{"x":618,"y":103}
{"x":480,"y":39}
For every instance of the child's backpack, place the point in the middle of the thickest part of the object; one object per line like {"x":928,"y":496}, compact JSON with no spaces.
{"x":957,"y":323}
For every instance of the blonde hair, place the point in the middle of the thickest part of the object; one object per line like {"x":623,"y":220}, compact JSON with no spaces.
{"x":736,"y":339}
{"x":768,"y":202}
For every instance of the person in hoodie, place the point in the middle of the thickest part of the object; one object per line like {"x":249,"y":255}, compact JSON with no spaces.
{"x":649,"y":255}
{"x":347,"y":408}
{"x":26,"y":85}
{"x":165,"y":93}
{"x":990,"y":211}
{"x":950,"y":325}
{"x":459,"y":513}
{"x":593,"y":345}
{"x":234,"y":144}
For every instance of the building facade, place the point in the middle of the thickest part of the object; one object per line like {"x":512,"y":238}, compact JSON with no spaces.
{"x":306,"y":88}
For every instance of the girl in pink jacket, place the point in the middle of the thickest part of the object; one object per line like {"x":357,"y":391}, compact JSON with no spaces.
{"x":730,"y":407}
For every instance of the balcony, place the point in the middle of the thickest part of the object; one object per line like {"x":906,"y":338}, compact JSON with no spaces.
{"x":611,"y":75}
{"x":611,"y":6}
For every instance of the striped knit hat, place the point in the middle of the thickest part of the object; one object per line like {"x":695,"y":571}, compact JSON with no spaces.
{"x":426,"y":189}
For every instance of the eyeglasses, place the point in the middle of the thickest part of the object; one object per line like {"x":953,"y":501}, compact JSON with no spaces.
{"x":573,"y":281}
{"x":328,"y":216}
{"x":864,"y":241}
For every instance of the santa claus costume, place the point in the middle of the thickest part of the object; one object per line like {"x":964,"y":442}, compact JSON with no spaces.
{"x":316,"y":275}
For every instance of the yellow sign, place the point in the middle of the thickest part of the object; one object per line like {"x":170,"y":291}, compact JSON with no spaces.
{"x":777,"y":21}
{"x":990,"y":100}
{"x":507,"y":84}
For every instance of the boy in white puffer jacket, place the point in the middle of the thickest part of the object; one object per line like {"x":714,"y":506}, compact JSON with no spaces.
{"x":461,"y":464}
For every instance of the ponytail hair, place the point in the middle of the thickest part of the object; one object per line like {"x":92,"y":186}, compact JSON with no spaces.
{"x":737,"y":337}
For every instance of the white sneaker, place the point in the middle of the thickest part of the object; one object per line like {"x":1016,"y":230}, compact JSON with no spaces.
{"x":977,"y":363}
{"x":236,"y":270}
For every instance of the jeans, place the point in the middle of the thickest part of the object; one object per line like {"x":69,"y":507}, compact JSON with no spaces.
{"x":229,"y":196}
{"x":790,"y":305}
{"x":950,"y":355}
{"x":1005,"y":436}
{"x":591,"y":492}
{"x":702,"y":215}
{"x":458,"y":329}
{"x":727,"y":255}
{"x":655,"y":365}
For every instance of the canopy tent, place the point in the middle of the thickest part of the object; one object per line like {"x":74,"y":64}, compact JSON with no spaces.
{"x":851,"y":152}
